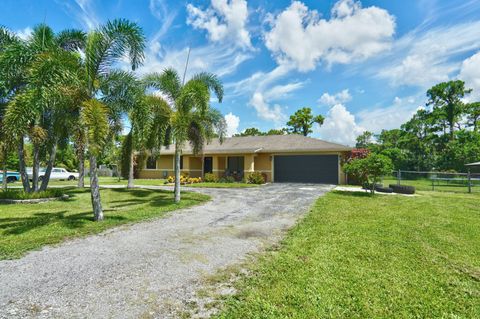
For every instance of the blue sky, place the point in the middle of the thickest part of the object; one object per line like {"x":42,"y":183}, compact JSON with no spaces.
{"x":364,"y":65}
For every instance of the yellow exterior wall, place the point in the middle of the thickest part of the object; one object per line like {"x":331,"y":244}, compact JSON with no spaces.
{"x":193,"y":165}
{"x":165,"y":162}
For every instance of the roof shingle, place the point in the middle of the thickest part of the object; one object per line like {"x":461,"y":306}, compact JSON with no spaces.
{"x":265,"y":144}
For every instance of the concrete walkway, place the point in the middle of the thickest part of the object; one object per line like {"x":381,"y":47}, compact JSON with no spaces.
{"x":150,"y":269}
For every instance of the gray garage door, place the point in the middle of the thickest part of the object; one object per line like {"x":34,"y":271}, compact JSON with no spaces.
{"x":306,"y":169}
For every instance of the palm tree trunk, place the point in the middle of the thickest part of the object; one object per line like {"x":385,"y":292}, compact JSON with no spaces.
{"x":48,"y":171}
{"x":130,"y":170}
{"x":36,"y":167}
{"x":81,"y":167}
{"x":177,"y":173}
{"x":21,"y":164}
{"x":4,"y":168}
{"x":95,"y":190}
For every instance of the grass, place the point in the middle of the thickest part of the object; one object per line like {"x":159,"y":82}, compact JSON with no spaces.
{"x":20,"y":194}
{"x":356,"y":256}
{"x":425,"y":184}
{"x":140,"y":182}
{"x":223,"y":185}
{"x":25,"y":227}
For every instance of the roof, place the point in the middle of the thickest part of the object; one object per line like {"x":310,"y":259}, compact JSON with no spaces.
{"x":473,"y":164}
{"x":265,"y":144}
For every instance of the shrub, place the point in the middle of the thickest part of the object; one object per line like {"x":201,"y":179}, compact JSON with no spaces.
{"x":255,"y":178}
{"x":211,"y":178}
{"x":369,"y":169}
{"x":16,"y":194}
{"x":227,"y":179}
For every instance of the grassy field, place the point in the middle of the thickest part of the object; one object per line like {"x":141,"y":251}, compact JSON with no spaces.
{"x":138,"y":182}
{"x":25,"y":227}
{"x":356,"y":256}
{"x":425,"y":184}
{"x":223,"y":185}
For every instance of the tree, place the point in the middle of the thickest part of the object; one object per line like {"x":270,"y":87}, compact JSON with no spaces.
{"x":473,"y":111}
{"x":281,"y":131}
{"x":364,"y":140}
{"x":35,"y":74}
{"x":369,"y":170}
{"x":192,"y":119}
{"x":446,"y":99}
{"x":105,"y":46}
{"x":302,"y":121}
{"x":251,"y":131}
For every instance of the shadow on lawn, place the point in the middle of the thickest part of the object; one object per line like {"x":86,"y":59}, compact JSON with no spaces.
{"x":20,"y":225}
{"x":354,"y":194}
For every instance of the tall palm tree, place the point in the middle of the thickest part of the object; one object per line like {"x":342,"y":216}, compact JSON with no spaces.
{"x":105,"y":46}
{"x":193,"y":120}
{"x":148,"y":115}
{"x":31,"y":72}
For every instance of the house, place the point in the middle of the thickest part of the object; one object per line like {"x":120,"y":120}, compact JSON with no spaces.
{"x":280,"y":158}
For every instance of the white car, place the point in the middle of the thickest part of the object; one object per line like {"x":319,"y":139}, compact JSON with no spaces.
{"x":59,"y":174}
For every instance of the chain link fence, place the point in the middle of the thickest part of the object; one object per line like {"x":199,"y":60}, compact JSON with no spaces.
{"x":436,"y":181}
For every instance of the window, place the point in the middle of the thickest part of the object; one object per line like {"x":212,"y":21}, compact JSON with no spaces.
{"x":235,"y":164}
{"x":181,"y":162}
{"x":151,"y":162}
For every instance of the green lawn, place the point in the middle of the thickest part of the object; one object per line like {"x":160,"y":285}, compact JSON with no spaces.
{"x":25,"y":227}
{"x":223,"y":185}
{"x":109,"y":181}
{"x":425,"y":184}
{"x":356,"y":256}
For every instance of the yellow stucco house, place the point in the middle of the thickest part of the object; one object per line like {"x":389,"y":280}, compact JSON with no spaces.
{"x":280,"y":158}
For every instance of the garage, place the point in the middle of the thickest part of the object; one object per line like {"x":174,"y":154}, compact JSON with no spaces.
{"x":322,"y":169}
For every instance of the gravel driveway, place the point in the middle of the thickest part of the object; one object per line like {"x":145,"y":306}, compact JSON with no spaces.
{"x":150,"y":269}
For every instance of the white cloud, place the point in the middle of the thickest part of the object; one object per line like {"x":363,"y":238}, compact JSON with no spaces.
{"x":266,"y":111}
{"x":338,"y":98}
{"x":423,"y":58}
{"x":390,"y":117}
{"x":159,"y":9}
{"x":233,"y":123}
{"x":470,"y":73}
{"x":340,"y":126}
{"x":224,"y":20}
{"x":265,"y":92}
{"x":220,"y":60}
{"x":299,"y":36}
{"x":87,"y":15}
{"x":24,"y":34}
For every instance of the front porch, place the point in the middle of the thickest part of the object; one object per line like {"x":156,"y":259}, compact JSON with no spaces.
{"x":237,"y":165}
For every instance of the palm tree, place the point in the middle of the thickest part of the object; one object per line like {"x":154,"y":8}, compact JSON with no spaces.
{"x":148,"y":114}
{"x":105,"y":46}
{"x":32,"y":72}
{"x":192,"y":119}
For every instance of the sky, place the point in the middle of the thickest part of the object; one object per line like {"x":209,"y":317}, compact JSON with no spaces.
{"x":363,"y":65}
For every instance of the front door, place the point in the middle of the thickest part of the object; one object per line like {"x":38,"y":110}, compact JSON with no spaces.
{"x":207,"y":165}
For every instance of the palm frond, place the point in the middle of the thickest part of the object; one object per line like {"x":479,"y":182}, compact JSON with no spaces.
{"x":20,"y":113}
{"x":194,"y":96}
{"x":126,"y":37}
{"x":168,"y":82}
{"x":6,"y":38}
{"x":42,"y":38}
{"x":94,"y":118}
{"x":212,"y":82}
{"x":71,"y":39}
{"x":121,"y":91}
{"x":160,"y":121}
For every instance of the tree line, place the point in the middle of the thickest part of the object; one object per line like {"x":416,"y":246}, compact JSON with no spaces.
{"x":301,"y":122}
{"x":442,"y":136}
{"x":65,"y":92}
